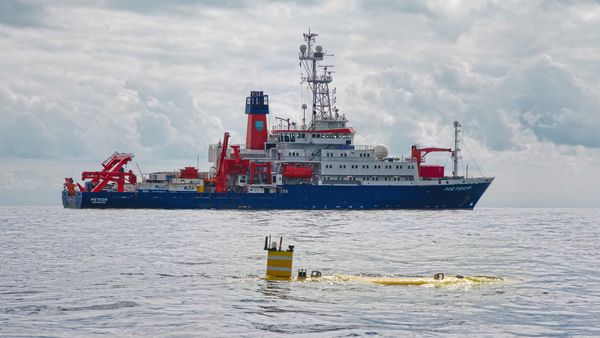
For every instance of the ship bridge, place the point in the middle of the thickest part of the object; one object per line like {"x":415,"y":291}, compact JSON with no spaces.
{"x":342,"y":136}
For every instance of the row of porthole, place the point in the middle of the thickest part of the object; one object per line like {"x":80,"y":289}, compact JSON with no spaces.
{"x":292,"y":137}
{"x":333,"y":155}
{"x":367,"y":178}
{"x":353,"y":166}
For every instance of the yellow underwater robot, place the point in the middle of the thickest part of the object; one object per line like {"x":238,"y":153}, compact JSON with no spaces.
{"x":279,"y":267}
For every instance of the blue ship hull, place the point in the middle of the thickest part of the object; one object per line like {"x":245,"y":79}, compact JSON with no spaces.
{"x":459,"y":196}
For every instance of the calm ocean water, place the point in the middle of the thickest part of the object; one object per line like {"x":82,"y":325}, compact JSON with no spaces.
{"x":197,"y":273}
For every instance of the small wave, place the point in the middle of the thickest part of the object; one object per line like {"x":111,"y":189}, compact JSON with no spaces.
{"x":200,"y":274}
{"x":24,"y":292}
{"x":193,"y":263}
{"x":165,"y":275}
{"x":110,"y":306}
{"x":24,"y":310}
{"x":303,"y":329}
{"x":132,"y":273}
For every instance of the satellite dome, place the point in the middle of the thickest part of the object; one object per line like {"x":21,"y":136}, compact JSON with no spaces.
{"x":381,"y":152}
{"x":303,"y":49}
{"x":319,"y":49}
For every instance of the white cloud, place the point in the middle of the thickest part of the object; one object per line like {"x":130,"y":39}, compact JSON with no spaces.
{"x":160,"y":79}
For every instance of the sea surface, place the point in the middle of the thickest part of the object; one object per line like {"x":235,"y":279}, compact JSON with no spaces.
{"x":197,"y":273}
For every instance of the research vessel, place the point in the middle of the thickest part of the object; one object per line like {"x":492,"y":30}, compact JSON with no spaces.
{"x":312,"y":164}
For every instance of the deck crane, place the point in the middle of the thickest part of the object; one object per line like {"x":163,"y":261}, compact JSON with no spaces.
{"x":418,"y":155}
{"x":112,"y":171}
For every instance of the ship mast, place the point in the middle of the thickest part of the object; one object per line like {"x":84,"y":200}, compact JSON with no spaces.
{"x":318,"y":78}
{"x":455,"y":153}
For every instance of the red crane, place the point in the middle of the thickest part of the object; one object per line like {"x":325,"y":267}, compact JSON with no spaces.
{"x":418,"y":155}
{"x":70,"y":186}
{"x":229,"y":166}
{"x":112,"y":171}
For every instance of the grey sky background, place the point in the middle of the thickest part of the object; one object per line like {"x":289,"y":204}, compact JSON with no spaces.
{"x":81,"y":79}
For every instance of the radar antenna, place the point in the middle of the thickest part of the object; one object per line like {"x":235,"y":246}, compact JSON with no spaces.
{"x":318,"y":78}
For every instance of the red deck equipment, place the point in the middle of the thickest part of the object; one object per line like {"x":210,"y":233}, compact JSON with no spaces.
{"x":427,"y":171}
{"x":229,"y":166}
{"x":112,"y":171}
{"x":431,"y":171}
{"x":257,"y":169}
{"x":70,"y":186}
{"x":189,"y":173}
{"x":291,"y":170}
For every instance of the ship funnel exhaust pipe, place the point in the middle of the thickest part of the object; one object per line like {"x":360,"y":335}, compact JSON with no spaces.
{"x":257,"y":108}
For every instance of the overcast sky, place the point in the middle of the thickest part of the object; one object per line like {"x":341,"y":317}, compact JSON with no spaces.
{"x":163,"y":79}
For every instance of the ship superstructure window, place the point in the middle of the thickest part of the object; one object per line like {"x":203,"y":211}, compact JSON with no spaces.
{"x":290,"y":137}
